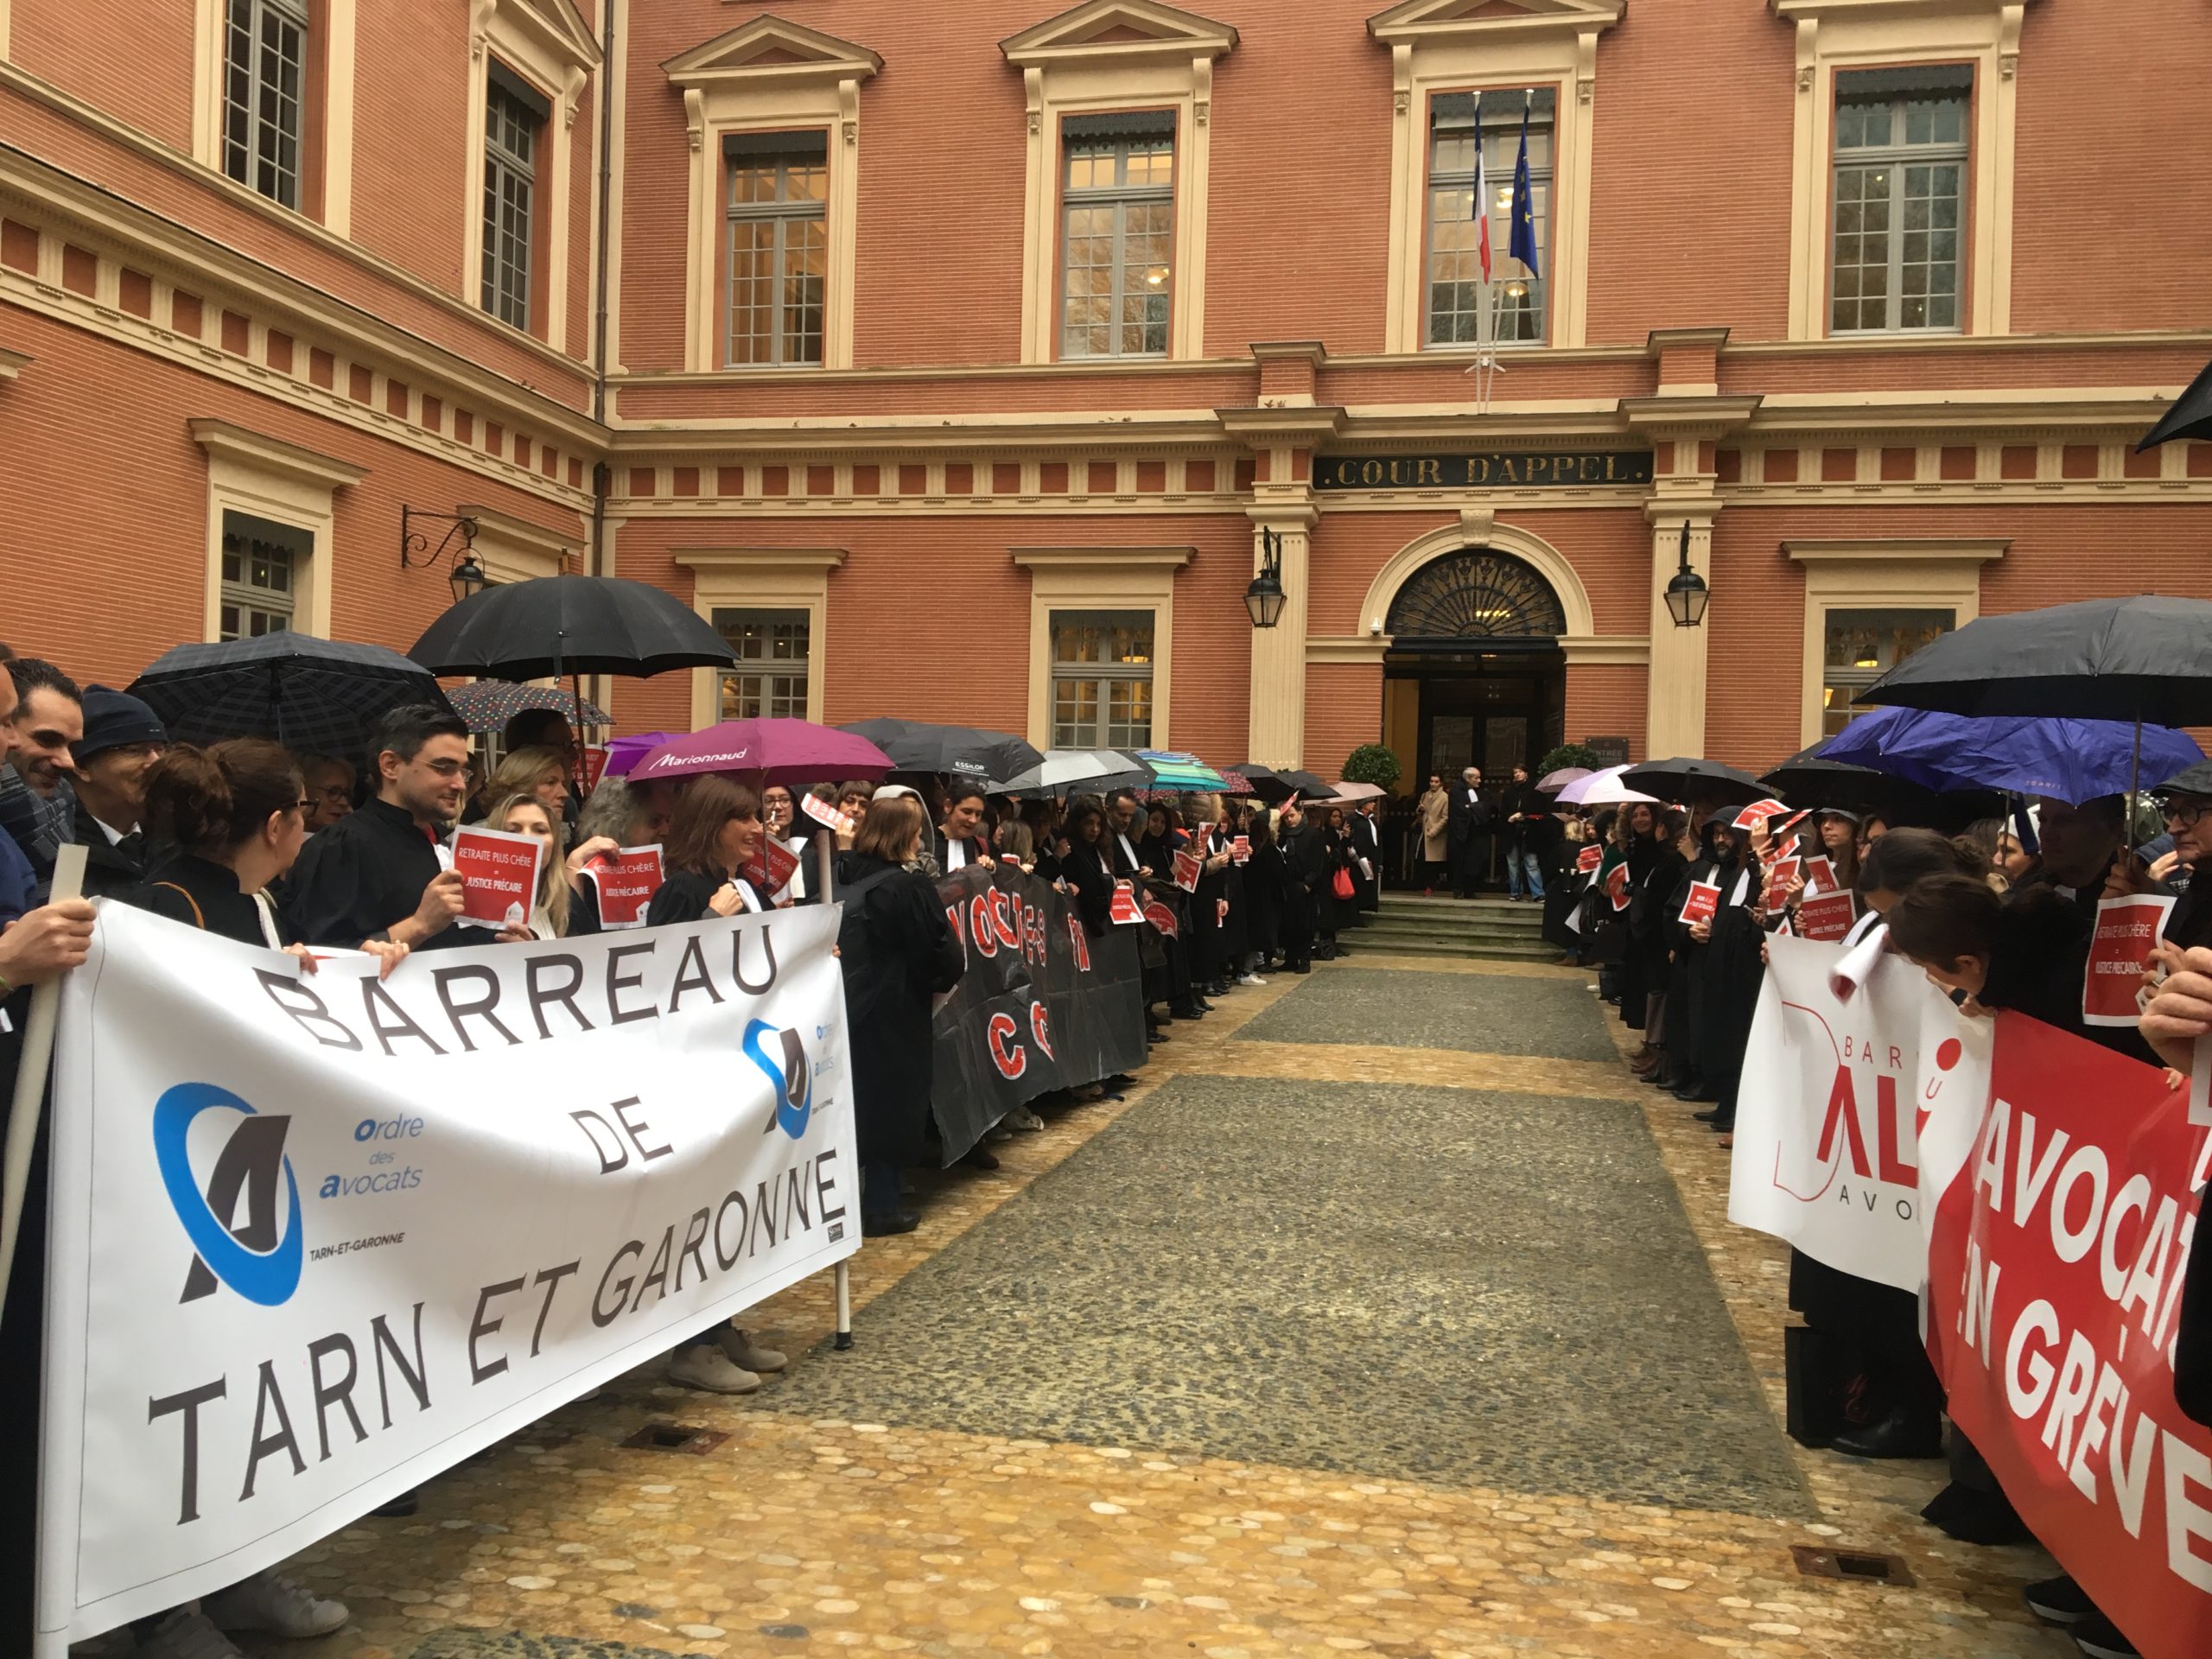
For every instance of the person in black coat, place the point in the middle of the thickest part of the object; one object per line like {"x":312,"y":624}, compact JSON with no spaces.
{"x":1302,"y":857}
{"x":898,"y":951}
{"x":1086,"y":869}
{"x":1474,"y":814}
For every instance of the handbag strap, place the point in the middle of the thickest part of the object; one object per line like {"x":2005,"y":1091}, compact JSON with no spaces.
{"x":198,"y":920}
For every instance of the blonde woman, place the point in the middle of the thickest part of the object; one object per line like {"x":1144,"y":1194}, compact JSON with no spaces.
{"x":540,"y":772}
{"x":556,"y":914}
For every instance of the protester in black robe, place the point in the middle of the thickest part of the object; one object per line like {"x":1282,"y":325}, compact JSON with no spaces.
{"x":1689,"y":974}
{"x":898,"y":951}
{"x":1643,"y":956}
{"x":1163,"y":834}
{"x":1264,"y":877}
{"x":1305,"y":862}
{"x":1086,"y":867}
{"x":1736,"y":967}
{"x":1334,"y":911}
{"x":1366,"y":838}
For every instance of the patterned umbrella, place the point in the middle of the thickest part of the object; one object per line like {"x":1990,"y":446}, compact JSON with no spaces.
{"x":488,"y":705}
{"x":316,"y":697}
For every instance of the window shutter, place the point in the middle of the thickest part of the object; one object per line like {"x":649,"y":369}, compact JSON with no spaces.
{"x":812,"y":144}
{"x":540,"y":106}
{"x":1921,"y":80}
{"x":1120,"y":123}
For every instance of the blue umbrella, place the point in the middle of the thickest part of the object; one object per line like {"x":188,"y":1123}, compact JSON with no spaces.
{"x":2071,"y":760}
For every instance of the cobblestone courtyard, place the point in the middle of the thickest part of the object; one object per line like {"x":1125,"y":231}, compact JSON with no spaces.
{"x":1386,"y":1315}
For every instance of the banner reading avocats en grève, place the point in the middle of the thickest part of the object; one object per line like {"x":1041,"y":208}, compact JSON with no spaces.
{"x":315,"y":1238}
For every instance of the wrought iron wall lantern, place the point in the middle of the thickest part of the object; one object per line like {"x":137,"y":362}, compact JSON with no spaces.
{"x":1686,"y":593}
{"x":1265,"y":598}
{"x":416,"y":552}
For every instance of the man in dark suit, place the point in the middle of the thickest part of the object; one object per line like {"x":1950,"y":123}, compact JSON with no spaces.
{"x":1474,"y":813}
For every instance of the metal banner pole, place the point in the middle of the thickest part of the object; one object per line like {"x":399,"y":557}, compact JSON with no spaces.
{"x":31,"y":1081}
{"x":825,"y":853}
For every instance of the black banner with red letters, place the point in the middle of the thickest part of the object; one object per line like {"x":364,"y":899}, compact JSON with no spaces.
{"x":1043,"y":1005}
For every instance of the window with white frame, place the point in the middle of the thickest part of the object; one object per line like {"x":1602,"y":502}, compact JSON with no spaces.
{"x":1117,"y":275}
{"x":778,"y":246}
{"x":262,"y":562}
{"x":1901,"y":150}
{"x":1102,"y":679}
{"x":770,"y":681}
{"x":265,"y":68}
{"x":1862,"y":646}
{"x":1521,"y":297}
{"x":515,"y":114}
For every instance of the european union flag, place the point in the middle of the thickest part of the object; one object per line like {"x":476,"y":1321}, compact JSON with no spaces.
{"x":1521,"y":243}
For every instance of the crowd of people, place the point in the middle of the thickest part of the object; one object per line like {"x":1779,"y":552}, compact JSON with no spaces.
{"x":1998,"y":916}
{"x":308,"y":852}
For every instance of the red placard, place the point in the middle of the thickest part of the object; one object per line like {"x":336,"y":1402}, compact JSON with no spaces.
{"x":1240,"y":849}
{"x":1616,"y":885}
{"x":625,"y":882}
{"x":1758,"y":813}
{"x":499,"y":874}
{"x":1160,"y":916}
{"x":595,"y":765}
{"x":1590,"y":858}
{"x":1124,"y":907}
{"x":1828,"y":918}
{"x":770,"y":869}
{"x":1700,"y":903}
{"x":826,"y":815}
{"x":2127,"y":929}
{"x":1220,"y":912}
{"x":2055,"y":1279}
{"x":1821,"y":876}
{"x":1187,"y":870}
{"x":1779,"y":875}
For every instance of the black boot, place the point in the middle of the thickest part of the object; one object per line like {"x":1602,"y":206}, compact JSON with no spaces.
{"x":1901,"y":1434}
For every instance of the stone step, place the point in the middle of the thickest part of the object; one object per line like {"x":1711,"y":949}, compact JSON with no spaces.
{"x":1363,"y":944}
{"x":1506,"y":927}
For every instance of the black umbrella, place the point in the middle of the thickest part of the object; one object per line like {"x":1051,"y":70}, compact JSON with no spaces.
{"x":312,"y":695}
{"x":1692,"y":779}
{"x":2189,"y":417}
{"x":968,"y":752}
{"x":1808,"y":779}
{"x":1309,"y":787}
{"x":2148,"y":658}
{"x":557,"y":625}
{"x":1266,"y":783}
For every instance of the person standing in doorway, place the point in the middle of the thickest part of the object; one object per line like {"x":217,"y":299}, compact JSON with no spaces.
{"x":1434,"y":816}
{"x":1474,"y":816}
{"x":1527,"y":827}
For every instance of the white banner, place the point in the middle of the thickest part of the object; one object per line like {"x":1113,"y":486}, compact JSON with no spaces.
{"x":316,"y":1238}
{"x":1855,"y":1111}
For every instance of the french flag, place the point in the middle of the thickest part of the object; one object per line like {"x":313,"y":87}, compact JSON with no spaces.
{"x":1482,"y":193}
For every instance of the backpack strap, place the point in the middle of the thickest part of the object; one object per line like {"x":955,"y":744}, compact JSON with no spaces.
{"x":198,"y":920}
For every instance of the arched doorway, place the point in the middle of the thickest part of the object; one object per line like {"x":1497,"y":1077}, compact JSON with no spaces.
{"x":1475,"y":675}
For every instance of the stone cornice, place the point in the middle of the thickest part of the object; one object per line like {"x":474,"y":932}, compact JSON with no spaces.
{"x":1076,"y":558}
{"x":224,"y":440}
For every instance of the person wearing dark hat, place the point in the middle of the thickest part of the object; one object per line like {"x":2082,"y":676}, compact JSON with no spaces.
{"x":123,"y":739}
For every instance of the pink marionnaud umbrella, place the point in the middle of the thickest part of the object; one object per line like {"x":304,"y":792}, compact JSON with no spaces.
{"x":776,"y":750}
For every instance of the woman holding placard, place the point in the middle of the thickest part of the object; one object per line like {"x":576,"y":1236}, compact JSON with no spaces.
{"x":565,"y":907}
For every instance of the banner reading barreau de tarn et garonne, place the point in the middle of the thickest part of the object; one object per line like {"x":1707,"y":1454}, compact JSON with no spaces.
{"x":315,"y":1238}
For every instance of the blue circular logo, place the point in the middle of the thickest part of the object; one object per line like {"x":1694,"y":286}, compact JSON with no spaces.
{"x":266,"y":1277}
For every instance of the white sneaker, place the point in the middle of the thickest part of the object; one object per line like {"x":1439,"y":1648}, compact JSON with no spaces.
{"x":745,"y":1354}
{"x":1249,"y":979}
{"x":185,"y":1635}
{"x":270,"y":1601}
{"x":1023,"y":1119}
{"x":704,"y":1366}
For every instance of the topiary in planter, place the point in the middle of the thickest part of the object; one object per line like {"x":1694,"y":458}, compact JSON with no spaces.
{"x":1373,"y":763}
{"x":1567,"y":755}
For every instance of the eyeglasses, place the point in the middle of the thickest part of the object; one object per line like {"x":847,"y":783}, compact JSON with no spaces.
{"x":336,"y":792}
{"x":448,"y":768}
{"x":2186,"y":813}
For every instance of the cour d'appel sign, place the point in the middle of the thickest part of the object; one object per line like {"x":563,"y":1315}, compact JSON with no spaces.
{"x":1515,"y":469}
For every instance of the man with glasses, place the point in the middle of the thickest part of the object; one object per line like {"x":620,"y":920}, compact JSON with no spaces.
{"x":383,"y":873}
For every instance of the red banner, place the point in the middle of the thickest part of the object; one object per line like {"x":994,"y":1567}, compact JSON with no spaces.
{"x":2055,"y":1277}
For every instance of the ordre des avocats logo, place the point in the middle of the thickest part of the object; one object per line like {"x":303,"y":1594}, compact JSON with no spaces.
{"x":787,"y":1073}
{"x":257,"y":1257}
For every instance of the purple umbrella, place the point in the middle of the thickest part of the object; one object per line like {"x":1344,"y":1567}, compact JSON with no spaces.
{"x":2070,"y":761}
{"x":624,"y":753}
{"x":777,"y":751}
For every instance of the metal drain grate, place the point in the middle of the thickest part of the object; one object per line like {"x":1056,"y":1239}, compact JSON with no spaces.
{"x":1856,"y":1566}
{"x":675,"y":1437}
